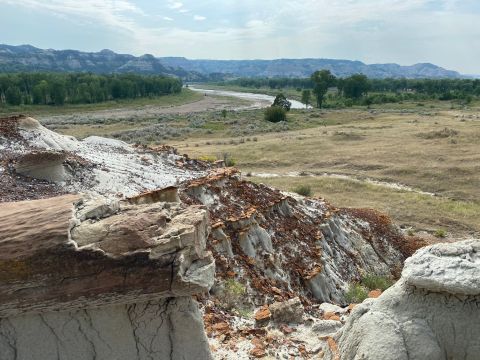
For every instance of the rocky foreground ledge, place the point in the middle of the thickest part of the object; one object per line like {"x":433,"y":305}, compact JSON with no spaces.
{"x":84,"y":278}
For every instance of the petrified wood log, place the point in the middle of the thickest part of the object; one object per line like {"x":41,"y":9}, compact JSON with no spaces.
{"x":67,"y":253}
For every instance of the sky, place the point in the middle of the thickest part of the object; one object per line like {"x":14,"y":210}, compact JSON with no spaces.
{"x":443,"y":32}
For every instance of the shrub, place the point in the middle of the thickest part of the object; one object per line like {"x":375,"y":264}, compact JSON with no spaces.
{"x":275,"y":114}
{"x":228,"y":160}
{"x":233,"y":294}
{"x":373,"y":282}
{"x":208,"y":158}
{"x":234,"y":287}
{"x":440,"y":233}
{"x":356,"y":293}
{"x":304,"y":190}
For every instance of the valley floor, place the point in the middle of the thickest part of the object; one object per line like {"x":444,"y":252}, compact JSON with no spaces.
{"x":418,"y":162}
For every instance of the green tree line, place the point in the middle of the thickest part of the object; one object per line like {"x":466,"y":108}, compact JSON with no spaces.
{"x":81,"y":88}
{"x":360,"y":89}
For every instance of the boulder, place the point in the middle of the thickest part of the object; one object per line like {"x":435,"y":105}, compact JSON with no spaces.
{"x":432,"y":312}
{"x":290,"y":311}
{"x":43,"y":165}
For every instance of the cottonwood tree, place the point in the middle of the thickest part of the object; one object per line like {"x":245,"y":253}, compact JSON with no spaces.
{"x":355,"y":86}
{"x":322,"y":80}
{"x":306,"y":95}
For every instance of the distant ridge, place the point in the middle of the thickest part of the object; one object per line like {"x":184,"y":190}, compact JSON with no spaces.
{"x":30,"y":58}
{"x":305,"y":67}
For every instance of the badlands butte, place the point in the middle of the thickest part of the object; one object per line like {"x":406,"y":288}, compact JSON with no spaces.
{"x":120,"y":252}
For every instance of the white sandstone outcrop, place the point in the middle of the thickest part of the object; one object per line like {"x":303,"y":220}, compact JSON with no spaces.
{"x":431,"y":313}
{"x":158,"y":329}
{"x":111,"y":166}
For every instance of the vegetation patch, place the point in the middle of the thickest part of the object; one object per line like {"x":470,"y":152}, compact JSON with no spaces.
{"x":441,"y":134}
{"x":304,"y":190}
{"x":440,"y":233}
{"x":275,"y":114}
{"x":373,"y":282}
{"x":232,"y":296}
{"x":356,"y":293}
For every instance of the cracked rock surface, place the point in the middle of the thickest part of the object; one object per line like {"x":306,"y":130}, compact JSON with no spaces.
{"x":281,"y":246}
{"x":432,"y":313}
{"x":156,"y":329}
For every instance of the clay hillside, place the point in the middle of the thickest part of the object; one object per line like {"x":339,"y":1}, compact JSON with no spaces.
{"x":120,"y":252}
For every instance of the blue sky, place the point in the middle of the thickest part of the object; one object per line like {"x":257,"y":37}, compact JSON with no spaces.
{"x":444,"y":32}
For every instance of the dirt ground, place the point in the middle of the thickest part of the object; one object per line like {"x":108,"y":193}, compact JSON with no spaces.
{"x":206,"y":103}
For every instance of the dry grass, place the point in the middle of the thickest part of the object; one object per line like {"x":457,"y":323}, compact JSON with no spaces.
{"x":382,"y":145}
{"x":410,"y":209}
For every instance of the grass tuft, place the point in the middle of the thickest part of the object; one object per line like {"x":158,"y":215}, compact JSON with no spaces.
{"x":373,"y":282}
{"x":356,"y":293}
{"x":304,"y":190}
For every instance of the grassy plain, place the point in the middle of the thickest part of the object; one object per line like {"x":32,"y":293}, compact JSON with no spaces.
{"x":430,"y":151}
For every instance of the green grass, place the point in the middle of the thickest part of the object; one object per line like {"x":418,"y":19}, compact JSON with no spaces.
{"x":356,"y":293}
{"x":374,"y":282}
{"x":234,"y":287}
{"x":440,"y":233}
{"x":304,"y":190}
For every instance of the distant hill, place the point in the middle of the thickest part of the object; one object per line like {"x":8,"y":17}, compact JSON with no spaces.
{"x":305,"y":67}
{"x":29,"y":58}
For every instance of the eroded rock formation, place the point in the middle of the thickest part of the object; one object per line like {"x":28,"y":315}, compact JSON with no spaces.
{"x":432,"y":313}
{"x":283,"y":245}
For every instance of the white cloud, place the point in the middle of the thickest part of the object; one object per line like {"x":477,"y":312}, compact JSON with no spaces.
{"x":116,"y":14}
{"x":166,"y":18}
{"x":175,"y":5}
{"x":199,"y":18}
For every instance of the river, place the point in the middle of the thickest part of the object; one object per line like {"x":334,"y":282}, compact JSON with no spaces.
{"x":259,"y":100}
